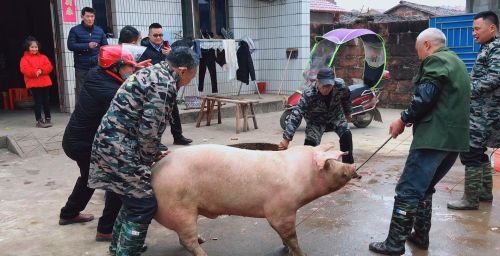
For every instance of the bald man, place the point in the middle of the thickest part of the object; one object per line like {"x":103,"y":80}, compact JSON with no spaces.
{"x":439,"y":114}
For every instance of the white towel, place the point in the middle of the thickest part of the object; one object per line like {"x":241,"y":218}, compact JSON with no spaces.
{"x":231,"y":58}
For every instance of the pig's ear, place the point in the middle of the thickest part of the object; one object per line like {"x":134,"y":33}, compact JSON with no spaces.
{"x":325,"y":147}
{"x":322,"y":157}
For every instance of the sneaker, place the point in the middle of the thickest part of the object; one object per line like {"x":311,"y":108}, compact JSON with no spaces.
{"x":41,"y":124}
{"x":102,"y":237}
{"x":182,"y":141}
{"x":47,"y":122}
{"x":78,"y":219}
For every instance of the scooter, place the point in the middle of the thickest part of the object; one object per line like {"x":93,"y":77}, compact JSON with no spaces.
{"x":365,"y":95}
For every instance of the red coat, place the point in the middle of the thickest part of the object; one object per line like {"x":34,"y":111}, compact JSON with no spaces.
{"x":30,"y":64}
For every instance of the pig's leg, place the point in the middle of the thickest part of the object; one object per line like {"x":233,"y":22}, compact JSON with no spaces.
{"x":186,"y":228}
{"x":285,"y":226}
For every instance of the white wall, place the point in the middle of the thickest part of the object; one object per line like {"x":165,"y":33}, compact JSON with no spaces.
{"x":139,"y":14}
{"x":273,"y":26}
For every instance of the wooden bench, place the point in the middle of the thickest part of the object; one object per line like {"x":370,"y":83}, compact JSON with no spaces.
{"x":244,"y":109}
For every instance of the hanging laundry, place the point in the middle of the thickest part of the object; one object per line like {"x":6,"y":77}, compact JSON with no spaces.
{"x":231,"y":58}
{"x":220,"y":57}
{"x":245,"y":64}
{"x":207,"y":60}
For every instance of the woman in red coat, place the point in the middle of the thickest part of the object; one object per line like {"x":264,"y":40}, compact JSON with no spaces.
{"x":36,"y":68}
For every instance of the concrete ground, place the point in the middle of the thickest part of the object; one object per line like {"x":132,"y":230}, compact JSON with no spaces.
{"x":34,"y":188}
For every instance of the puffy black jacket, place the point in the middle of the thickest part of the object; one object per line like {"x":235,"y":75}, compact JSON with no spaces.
{"x":96,"y":94}
{"x":151,"y":53}
{"x":78,"y":41}
{"x":245,"y":64}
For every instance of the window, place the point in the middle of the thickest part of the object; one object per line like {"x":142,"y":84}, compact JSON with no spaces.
{"x":204,"y":16}
{"x":103,"y":16}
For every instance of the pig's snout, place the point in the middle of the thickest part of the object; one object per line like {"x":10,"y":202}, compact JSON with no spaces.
{"x":352,"y":172}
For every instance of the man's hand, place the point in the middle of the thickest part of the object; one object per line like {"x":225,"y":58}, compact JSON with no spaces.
{"x":349,"y":118}
{"x":283,"y":144}
{"x":160,"y":156}
{"x":143,"y":64}
{"x":38,"y":72}
{"x":397,"y":127}
{"x":93,"y":45}
{"x":165,"y":50}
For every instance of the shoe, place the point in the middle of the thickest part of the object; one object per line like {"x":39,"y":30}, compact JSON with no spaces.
{"x":102,"y":237}
{"x":401,"y":224}
{"x":47,"y":122}
{"x":78,"y":219}
{"x":472,"y":187}
{"x":41,"y":124}
{"x":182,"y":140}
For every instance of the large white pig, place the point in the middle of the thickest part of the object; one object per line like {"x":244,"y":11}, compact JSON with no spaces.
{"x":214,"y":180}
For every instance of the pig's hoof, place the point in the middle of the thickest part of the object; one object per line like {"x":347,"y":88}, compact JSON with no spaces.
{"x":201,"y":239}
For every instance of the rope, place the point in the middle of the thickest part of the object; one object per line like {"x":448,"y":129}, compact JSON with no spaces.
{"x":328,"y":202}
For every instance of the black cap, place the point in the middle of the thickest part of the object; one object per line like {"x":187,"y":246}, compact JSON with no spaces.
{"x":326,"y":76}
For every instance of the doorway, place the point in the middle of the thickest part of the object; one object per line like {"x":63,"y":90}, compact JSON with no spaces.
{"x":20,"y":19}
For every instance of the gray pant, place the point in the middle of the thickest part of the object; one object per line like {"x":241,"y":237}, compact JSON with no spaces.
{"x":80,"y":75}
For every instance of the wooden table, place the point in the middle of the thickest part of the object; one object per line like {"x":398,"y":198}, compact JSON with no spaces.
{"x":244,"y":109}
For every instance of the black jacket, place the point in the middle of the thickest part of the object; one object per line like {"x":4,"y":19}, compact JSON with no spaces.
{"x":245,"y":64}
{"x":78,"y":41}
{"x":94,"y":99}
{"x":151,"y":52}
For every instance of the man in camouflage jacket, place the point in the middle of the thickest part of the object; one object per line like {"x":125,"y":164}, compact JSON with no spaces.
{"x":126,"y":144}
{"x":485,"y":114}
{"x":325,"y":105}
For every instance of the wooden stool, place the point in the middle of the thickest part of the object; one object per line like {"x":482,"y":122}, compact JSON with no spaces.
{"x":209,"y":103}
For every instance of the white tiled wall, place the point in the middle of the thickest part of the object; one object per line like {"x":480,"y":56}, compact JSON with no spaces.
{"x":273,"y":26}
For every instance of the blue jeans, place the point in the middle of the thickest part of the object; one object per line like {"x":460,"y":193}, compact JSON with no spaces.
{"x":424,"y":168}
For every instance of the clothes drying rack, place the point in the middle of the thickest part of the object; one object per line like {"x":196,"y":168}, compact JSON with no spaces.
{"x":217,"y":44}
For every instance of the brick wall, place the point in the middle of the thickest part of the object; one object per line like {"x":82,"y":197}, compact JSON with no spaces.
{"x":402,"y":60}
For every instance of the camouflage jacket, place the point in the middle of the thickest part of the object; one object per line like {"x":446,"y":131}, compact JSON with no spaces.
{"x":485,"y":103}
{"x":313,"y":107}
{"x":126,"y":142}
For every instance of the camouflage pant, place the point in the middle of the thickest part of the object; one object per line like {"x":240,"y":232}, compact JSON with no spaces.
{"x":315,"y":131}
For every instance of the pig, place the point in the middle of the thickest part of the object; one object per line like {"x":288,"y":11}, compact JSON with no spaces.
{"x":214,"y":180}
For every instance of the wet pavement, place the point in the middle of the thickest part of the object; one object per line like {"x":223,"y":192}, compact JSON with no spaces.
{"x":33,"y":189}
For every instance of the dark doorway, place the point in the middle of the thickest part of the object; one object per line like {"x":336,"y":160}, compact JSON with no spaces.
{"x":20,"y":19}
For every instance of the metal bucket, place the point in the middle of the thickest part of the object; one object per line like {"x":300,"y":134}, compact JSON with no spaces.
{"x":257,"y":146}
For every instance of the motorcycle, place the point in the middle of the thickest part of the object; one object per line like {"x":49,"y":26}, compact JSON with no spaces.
{"x":364,"y":95}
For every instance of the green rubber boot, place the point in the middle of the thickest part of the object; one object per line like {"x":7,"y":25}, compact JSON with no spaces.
{"x":401,"y":224}
{"x":486,"y":194}
{"x":132,"y":237}
{"x":473,"y":184}
{"x":116,"y":231}
{"x":422,"y":226}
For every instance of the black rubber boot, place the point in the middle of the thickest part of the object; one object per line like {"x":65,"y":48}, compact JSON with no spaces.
{"x":346,"y":146}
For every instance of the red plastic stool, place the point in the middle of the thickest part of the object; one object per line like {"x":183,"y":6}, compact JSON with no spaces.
{"x":16,"y":95}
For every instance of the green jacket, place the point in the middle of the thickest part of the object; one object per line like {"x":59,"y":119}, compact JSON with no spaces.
{"x":446,"y":126}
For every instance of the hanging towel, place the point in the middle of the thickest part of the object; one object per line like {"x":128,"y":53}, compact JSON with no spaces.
{"x":231,"y":59}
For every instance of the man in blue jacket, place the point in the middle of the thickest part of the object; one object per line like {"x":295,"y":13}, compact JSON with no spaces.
{"x":84,"y":41}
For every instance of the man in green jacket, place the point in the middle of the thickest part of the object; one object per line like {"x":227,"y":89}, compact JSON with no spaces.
{"x":439,"y":113}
